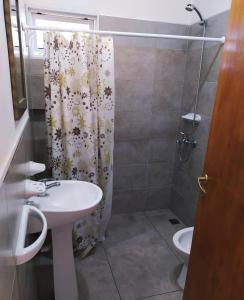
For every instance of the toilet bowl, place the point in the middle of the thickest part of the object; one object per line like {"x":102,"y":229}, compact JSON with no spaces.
{"x":182,"y":240}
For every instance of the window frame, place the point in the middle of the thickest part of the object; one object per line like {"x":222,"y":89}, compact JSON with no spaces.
{"x":32,"y":14}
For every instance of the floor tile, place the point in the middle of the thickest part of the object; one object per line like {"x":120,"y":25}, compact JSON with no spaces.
{"x":94,"y":277}
{"x":124,"y":227}
{"x":143,"y":266}
{"x":160,"y":220}
{"x":168,"y":296}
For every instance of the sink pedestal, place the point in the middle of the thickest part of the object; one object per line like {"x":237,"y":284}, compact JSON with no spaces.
{"x":65,"y":280}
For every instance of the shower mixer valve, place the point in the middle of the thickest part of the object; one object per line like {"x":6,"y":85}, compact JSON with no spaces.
{"x":185,"y":140}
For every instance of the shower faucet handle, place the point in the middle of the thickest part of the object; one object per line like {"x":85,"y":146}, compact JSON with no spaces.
{"x":182,"y":138}
{"x":185,"y":140}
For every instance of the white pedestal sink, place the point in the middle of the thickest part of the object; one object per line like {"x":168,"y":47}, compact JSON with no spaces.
{"x":64,"y":205}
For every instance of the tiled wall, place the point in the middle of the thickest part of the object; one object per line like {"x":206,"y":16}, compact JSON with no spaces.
{"x":149,"y":77}
{"x":156,"y":82}
{"x":185,"y":191}
{"x":16,"y":283}
{"x":35,"y":83}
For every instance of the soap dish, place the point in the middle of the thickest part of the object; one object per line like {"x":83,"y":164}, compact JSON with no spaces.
{"x":190,"y":117}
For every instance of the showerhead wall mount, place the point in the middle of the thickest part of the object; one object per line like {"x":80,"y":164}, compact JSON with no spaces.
{"x":190,"y":7}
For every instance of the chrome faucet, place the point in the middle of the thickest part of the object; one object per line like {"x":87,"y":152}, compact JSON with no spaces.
{"x":48,"y":186}
{"x":185,"y":140}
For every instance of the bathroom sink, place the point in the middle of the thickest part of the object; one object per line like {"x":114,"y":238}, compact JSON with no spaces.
{"x":66,"y":203}
{"x":62,"y":206}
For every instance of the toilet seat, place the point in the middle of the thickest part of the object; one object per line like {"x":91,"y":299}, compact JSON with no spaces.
{"x":182,"y":240}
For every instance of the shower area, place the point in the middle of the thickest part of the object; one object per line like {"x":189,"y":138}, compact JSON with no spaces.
{"x":158,"y":155}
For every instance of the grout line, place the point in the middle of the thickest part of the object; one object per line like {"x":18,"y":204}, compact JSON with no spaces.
{"x":167,"y":293}
{"x":163,"y":238}
{"x":167,"y":246}
{"x":110,"y":267}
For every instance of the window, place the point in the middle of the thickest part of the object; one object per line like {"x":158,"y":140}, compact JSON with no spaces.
{"x":15,"y":34}
{"x":57,"y":20}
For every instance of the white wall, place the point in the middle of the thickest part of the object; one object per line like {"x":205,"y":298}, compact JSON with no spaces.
{"x":211,"y":8}
{"x":171,"y":11}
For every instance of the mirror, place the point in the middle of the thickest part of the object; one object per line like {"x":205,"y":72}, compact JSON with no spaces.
{"x":16,"y":63}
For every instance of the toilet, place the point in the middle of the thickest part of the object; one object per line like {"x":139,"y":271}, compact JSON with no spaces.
{"x":182,"y":240}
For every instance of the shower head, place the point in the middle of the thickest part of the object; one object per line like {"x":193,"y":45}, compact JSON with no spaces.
{"x":190,"y":7}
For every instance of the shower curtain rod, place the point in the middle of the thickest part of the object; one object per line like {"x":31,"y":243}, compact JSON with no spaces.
{"x":130,"y":34}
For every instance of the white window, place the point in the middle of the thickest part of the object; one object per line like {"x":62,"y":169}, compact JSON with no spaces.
{"x":15,"y":34}
{"x":57,"y":20}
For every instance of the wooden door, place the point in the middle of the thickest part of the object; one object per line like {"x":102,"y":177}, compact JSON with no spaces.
{"x":216,"y":266}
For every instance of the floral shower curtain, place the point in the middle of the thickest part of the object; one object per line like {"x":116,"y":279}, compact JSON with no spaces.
{"x":79,"y":95}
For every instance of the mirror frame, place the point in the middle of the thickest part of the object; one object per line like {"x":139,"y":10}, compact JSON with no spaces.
{"x":18,"y":112}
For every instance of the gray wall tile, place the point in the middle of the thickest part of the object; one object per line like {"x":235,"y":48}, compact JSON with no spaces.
{"x":170,"y":64}
{"x":134,"y":95}
{"x":132,"y":125}
{"x":206,"y":98}
{"x":124,"y":24}
{"x":211,"y":62}
{"x":161,"y":150}
{"x":201,"y":132}
{"x":130,"y":176}
{"x":40,"y":151}
{"x":132,"y":25}
{"x":185,"y":192}
{"x":168,"y":28}
{"x":134,"y":62}
{"x":167,"y":96}
{"x":217,"y":25}
{"x":160,"y":174}
{"x":129,"y":201}
{"x":164,"y":124}
{"x":194,"y":165}
{"x":195,"y":30}
{"x":128,"y":25}
{"x":146,"y":112}
{"x":157,"y":198}
{"x":39,"y":132}
{"x":184,"y":208}
{"x":191,"y":80}
{"x":129,"y":152}
{"x":36,"y":66}
{"x":36,"y":91}
{"x":185,"y":185}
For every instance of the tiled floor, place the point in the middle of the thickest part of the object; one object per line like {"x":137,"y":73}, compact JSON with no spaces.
{"x":137,"y":260}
